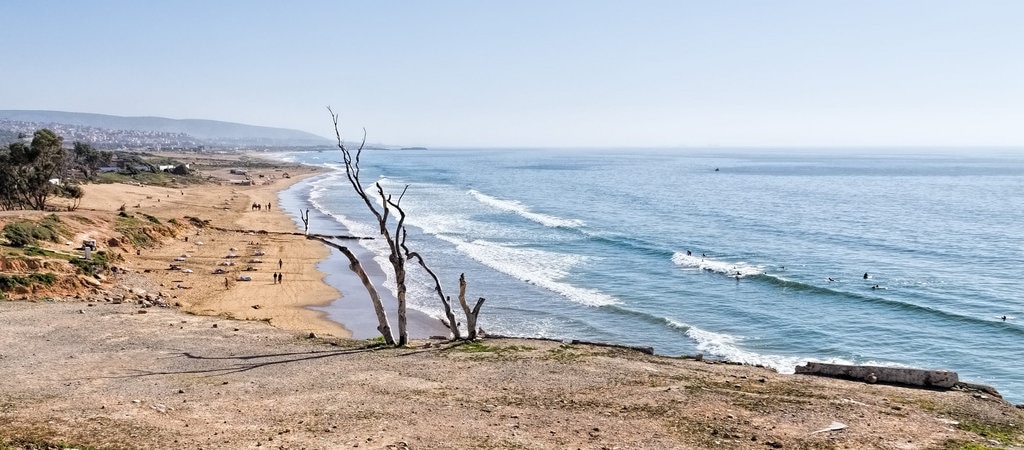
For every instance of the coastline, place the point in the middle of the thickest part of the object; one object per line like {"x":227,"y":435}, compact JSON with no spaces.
{"x":228,"y":206}
{"x":100,"y":368}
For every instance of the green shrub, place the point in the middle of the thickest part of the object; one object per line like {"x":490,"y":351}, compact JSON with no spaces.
{"x":197,"y":222}
{"x":23,"y":233}
{"x":20,"y":234}
{"x":8,"y":282}
{"x":100,"y":260}
{"x":152,"y":219}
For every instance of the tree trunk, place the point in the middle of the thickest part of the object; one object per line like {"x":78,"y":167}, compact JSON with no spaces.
{"x":403,"y":331}
{"x":382,"y":318}
{"x":471,"y":315}
{"x":451,"y":323}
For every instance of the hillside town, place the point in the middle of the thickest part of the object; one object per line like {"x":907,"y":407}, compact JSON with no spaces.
{"x":108,"y":139}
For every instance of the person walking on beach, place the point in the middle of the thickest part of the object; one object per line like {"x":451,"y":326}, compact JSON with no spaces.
{"x":279,"y":276}
{"x":279,"y":263}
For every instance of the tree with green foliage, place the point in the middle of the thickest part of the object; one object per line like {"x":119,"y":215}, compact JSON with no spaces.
{"x":88,"y":160}
{"x":26,"y":171}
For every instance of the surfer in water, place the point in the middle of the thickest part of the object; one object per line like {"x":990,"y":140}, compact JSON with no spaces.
{"x":865,"y":275}
{"x":830,"y":279}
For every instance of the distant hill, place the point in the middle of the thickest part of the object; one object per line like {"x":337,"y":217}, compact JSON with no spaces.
{"x":210,"y":131}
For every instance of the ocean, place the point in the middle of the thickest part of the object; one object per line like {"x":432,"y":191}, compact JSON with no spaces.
{"x":762,"y":257}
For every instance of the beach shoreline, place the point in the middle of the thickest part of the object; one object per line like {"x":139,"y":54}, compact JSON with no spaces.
{"x":223,"y":221}
{"x":353,"y":310}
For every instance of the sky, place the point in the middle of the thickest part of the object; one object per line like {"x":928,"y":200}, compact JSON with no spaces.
{"x":526,"y":73}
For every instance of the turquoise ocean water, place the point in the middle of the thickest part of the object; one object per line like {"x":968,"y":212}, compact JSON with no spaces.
{"x":750,"y":256}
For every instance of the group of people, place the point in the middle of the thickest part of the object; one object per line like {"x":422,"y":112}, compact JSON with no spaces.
{"x":277,"y":277}
{"x":259,"y":207}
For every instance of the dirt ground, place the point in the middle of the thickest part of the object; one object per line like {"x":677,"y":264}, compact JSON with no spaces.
{"x":104,"y":375}
{"x":103,"y":366}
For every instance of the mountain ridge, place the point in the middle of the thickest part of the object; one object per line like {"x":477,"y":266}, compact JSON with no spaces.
{"x":213,"y":131}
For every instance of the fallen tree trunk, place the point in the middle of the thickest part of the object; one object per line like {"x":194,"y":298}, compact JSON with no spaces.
{"x":877,"y":374}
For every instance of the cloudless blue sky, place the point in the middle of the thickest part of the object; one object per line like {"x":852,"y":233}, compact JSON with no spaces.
{"x":537,"y":73}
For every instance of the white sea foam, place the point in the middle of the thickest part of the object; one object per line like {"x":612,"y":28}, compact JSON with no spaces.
{"x":538,"y":267}
{"x":727,"y":347}
{"x":517,"y":207}
{"x":741,"y":269}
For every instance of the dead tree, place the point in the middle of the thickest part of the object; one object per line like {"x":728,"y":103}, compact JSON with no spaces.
{"x":398,"y":252}
{"x":471,"y":314}
{"x":305,"y":219}
{"x":397,"y":260}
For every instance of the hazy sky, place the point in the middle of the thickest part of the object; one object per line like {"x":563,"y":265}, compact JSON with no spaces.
{"x":537,"y":73}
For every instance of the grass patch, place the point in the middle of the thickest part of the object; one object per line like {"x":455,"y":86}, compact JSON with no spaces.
{"x":957,"y":445}
{"x":1005,"y":434}
{"x":564,"y":352}
{"x":480,"y":347}
{"x":376,"y":342}
{"x":6,"y":444}
{"x":197,"y":222}
{"x":24,"y":233}
{"x":100,"y":261}
{"x":152,"y":219}
{"x":36,"y":251}
{"x":140,"y":233}
{"x":8,"y":282}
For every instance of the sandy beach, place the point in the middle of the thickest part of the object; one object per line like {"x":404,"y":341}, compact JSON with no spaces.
{"x":100,"y":364}
{"x":205,"y":250}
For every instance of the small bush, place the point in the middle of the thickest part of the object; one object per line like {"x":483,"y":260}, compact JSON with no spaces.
{"x":197,"y":222}
{"x":8,"y":282}
{"x":35,"y":251}
{"x":152,"y":219}
{"x":24,"y":233}
{"x":20,"y":234}
{"x":100,"y":261}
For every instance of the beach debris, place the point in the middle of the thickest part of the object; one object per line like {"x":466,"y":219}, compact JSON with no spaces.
{"x":255,"y":260}
{"x":186,"y":270}
{"x":256,"y":306}
{"x":180,"y":258}
{"x":834,"y":426}
{"x":230,"y":255}
{"x":244,"y":278}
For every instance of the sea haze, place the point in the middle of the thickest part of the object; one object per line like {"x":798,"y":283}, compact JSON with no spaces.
{"x":754,"y":257}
